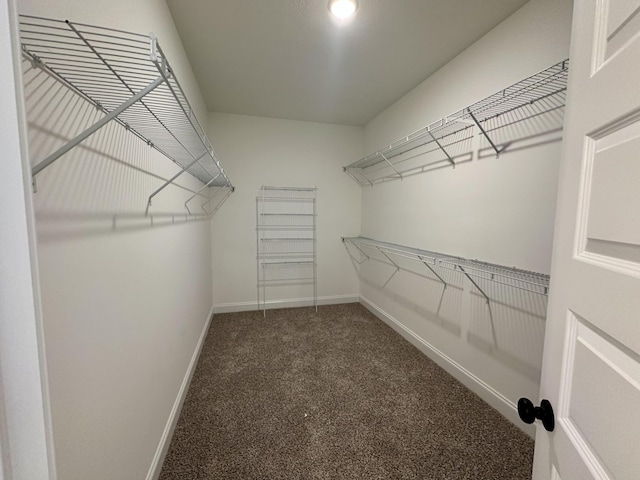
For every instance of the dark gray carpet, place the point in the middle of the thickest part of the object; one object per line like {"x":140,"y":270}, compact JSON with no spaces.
{"x":333,"y":395}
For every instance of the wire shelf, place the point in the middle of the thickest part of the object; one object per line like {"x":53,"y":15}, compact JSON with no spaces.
{"x":280,"y":228}
{"x":286,"y":248}
{"x":288,"y":271}
{"x":284,"y":220}
{"x":534,"y":282}
{"x":129,"y":79}
{"x":286,"y":244}
{"x":448,"y":141}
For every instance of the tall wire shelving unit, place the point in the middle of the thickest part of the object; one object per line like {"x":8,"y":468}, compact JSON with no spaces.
{"x":286,"y":240}
{"x":127,"y":78}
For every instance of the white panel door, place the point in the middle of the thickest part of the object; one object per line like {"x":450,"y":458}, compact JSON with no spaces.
{"x":591,"y":367}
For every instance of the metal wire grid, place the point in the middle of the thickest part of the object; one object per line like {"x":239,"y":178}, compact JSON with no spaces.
{"x":449,"y":138}
{"x":413,"y":153}
{"x":545,"y":115}
{"x":288,"y":272}
{"x":216,"y":200}
{"x":283,"y":248}
{"x":301,"y":220}
{"x":411,"y":142}
{"x":510,"y":276}
{"x":108,"y":67}
{"x":542,"y":85}
{"x":285,"y":239}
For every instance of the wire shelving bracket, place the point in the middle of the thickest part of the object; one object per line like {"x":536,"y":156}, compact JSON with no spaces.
{"x":286,"y":240}
{"x":128,"y":78}
{"x":473,"y":270}
{"x":539,"y":94}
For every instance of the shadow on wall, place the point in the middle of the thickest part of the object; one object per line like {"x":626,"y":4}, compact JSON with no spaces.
{"x":509,"y":326}
{"x":530,"y":126}
{"x":102,"y":185}
{"x":427,"y":296}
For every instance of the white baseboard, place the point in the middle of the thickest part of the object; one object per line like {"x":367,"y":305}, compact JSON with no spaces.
{"x":165,"y":440}
{"x":474,"y":383}
{"x":287,"y":303}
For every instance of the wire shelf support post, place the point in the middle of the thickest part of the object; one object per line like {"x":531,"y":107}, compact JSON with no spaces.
{"x":444,"y":150}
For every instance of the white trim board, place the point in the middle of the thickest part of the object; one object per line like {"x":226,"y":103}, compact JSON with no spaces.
{"x":474,"y":383}
{"x":26,"y":432}
{"x":167,"y":434}
{"x":285,"y":303}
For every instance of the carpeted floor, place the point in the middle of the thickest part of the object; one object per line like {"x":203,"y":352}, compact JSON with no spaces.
{"x":333,"y":395}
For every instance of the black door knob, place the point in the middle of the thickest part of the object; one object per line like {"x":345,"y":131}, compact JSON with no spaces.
{"x":528,"y":413}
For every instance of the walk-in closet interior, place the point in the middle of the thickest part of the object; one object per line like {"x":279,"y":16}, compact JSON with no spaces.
{"x":266,"y":243}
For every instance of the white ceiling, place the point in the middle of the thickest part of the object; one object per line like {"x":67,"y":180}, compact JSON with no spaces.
{"x":289,"y":59}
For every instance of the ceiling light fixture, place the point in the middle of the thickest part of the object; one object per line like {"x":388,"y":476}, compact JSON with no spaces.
{"x":343,"y":9}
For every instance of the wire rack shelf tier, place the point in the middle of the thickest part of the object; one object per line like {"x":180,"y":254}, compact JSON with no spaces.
{"x":533,"y":282}
{"x":285,"y":248}
{"x":286,"y":240}
{"x":129,"y":79}
{"x":278,"y":228}
{"x":288,"y":271}
{"x":447,"y":141}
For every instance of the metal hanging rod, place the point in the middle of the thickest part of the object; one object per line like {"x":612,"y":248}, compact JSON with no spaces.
{"x":533,"y":282}
{"x":128,"y":78}
{"x":542,"y":92}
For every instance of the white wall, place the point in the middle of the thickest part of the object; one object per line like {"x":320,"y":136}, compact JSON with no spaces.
{"x":125,"y":298}
{"x":264,"y":151}
{"x":496,"y":210}
{"x":26,"y":450}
